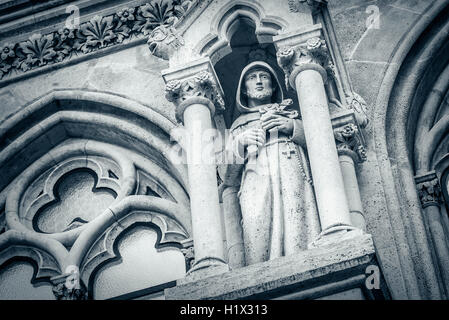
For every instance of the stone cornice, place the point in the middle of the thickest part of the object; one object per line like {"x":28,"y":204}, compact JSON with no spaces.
{"x":97,"y":34}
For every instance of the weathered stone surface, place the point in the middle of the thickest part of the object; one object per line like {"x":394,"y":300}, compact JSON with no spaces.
{"x":294,"y":273}
{"x":110,"y":101}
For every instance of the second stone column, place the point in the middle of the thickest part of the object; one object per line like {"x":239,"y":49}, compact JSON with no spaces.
{"x":303,"y":58}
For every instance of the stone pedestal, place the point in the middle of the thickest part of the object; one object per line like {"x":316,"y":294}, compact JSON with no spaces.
{"x":343,"y":268}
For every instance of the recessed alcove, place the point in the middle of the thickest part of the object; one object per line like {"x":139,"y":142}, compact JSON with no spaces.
{"x":243,"y":42}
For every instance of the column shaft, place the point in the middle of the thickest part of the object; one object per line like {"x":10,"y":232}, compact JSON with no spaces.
{"x":327,"y":177}
{"x":352,"y":191}
{"x":439,"y":240}
{"x":203,"y":191}
{"x":234,"y":236}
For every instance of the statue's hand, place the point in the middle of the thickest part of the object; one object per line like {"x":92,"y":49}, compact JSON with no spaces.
{"x":251,"y":137}
{"x":272,"y":121}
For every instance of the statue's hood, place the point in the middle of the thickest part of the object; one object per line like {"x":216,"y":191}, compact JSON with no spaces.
{"x":241,"y":100}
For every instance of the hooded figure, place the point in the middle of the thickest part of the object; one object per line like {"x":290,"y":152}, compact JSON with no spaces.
{"x":279,"y":215}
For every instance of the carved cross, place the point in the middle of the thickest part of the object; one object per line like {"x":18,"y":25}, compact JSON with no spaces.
{"x":289,"y":151}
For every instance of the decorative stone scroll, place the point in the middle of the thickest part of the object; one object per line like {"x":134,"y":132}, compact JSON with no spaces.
{"x":429,"y":189}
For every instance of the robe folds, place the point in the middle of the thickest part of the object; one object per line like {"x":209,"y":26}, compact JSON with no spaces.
{"x":278,"y":207}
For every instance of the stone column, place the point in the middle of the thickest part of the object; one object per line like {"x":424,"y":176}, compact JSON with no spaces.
{"x":304,"y":59}
{"x":351,"y":150}
{"x":195,"y":91}
{"x":429,"y":191}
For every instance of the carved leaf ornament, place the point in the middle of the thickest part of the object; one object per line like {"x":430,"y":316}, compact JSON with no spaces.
{"x":98,"y":33}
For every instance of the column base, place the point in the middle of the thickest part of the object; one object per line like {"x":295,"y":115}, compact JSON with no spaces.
{"x":206,"y":267}
{"x":335,"y":234}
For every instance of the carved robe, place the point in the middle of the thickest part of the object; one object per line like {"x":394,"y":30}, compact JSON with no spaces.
{"x":279,"y":214}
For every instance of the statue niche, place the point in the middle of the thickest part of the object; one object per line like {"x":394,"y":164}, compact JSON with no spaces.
{"x":276,"y":196}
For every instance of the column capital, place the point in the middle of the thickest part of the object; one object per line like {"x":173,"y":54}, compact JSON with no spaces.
{"x":193,"y":83}
{"x":429,"y":189}
{"x":304,"y":49}
{"x":63,"y":291}
{"x":188,"y":250}
{"x":349,"y":137}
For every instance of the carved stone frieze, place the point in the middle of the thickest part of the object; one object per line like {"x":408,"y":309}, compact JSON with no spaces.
{"x":429,"y":189}
{"x":350,"y":142}
{"x":313,"y":51}
{"x":97,"y":33}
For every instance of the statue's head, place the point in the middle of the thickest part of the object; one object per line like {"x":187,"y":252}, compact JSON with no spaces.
{"x":258,"y":85}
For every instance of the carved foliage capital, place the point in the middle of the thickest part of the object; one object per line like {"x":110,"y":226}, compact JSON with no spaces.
{"x":313,"y":51}
{"x":349,"y":142}
{"x":201,"y":84}
{"x":429,"y":190}
{"x":189,"y":254}
{"x":62,"y":292}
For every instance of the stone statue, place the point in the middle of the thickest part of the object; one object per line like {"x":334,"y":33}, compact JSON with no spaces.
{"x":279,"y":214}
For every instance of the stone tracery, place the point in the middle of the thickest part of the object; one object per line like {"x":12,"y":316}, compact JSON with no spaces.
{"x":152,"y":189}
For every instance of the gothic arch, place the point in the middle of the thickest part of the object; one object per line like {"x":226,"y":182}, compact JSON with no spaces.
{"x":124,"y":145}
{"x":400,"y":111}
{"x":216,"y":44}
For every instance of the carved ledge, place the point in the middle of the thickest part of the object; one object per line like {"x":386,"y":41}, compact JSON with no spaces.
{"x":303,"y":50}
{"x":348,"y":137}
{"x":429,"y":189}
{"x":194,"y":83}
